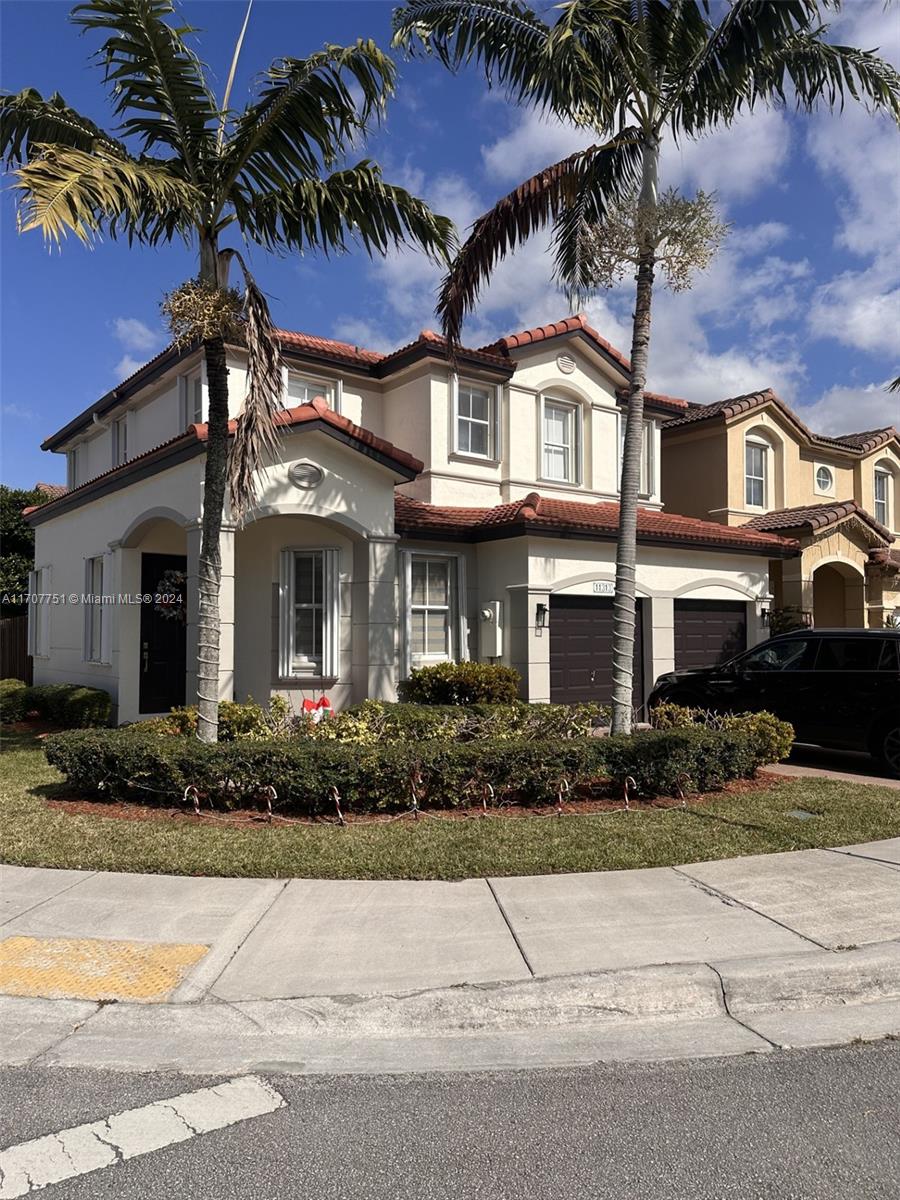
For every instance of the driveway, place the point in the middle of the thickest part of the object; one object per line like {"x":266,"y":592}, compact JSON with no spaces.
{"x":849,"y":766}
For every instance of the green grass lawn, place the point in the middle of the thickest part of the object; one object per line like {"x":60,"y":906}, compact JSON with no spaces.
{"x":756,"y":822}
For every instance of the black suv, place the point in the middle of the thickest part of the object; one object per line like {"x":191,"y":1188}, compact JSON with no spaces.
{"x":839,"y":688}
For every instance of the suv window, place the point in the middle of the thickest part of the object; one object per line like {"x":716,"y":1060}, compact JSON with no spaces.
{"x":778,"y":656}
{"x":856,"y":654}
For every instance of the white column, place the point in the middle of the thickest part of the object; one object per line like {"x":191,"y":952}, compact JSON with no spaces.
{"x":529,"y":641}
{"x":375,"y":618}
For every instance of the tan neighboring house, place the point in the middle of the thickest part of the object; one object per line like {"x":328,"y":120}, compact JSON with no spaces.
{"x":750,"y":463}
{"x":419,"y":510}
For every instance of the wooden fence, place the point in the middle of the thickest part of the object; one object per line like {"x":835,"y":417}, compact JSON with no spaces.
{"x":15,"y":661}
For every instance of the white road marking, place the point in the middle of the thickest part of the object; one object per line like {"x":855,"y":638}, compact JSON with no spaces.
{"x":33,"y":1165}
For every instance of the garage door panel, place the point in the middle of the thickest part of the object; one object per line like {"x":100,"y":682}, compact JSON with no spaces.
{"x":708,"y":632}
{"x":581,"y":660}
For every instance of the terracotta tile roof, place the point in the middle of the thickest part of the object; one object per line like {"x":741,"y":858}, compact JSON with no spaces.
{"x":51,"y":489}
{"x":317,"y":410}
{"x":327,"y":347}
{"x":887,"y":559}
{"x":578,"y":323}
{"x":537,"y":514}
{"x":855,"y":443}
{"x":430,"y":342}
{"x":816,"y":516}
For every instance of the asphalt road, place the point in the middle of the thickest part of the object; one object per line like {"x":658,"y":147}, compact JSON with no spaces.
{"x":811,"y":1125}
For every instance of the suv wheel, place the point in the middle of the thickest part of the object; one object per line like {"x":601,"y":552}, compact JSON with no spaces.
{"x":889,"y":748}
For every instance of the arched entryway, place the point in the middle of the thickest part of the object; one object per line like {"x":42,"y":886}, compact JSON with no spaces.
{"x":839,"y":596}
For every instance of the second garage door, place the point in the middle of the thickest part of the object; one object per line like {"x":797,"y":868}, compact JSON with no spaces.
{"x":581,"y":651}
{"x":708,"y":632}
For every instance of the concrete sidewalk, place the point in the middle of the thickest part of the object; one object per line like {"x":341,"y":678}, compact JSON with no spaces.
{"x":354,"y":972}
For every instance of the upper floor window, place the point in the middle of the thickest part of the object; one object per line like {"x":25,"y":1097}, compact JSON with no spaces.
{"x":310,"y":613}
{"x":647,"y":485}
{"x":824,"y":480}
{"x":191,"y":399}
{"x":560,"y":450}
{"x":475,"y":420}
{"x":303,"y":389}
{"x":120,"y":440}
{"x":756,"y":473}
{"x":39,"y":613}
{"x":882,"y":497}
{"x":74,"y":459}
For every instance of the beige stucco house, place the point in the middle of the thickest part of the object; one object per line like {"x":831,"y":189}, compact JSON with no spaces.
{"x":750,"y":463}
{"x":419,"y":510}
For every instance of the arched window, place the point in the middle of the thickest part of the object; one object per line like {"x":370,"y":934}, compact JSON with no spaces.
{"x":757,"y":471}
{"x":884,"y":491}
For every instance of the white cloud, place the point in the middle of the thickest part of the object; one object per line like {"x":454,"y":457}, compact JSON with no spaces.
{"x":737,"y":162}
{"x":363,"y":334}
{"x":17,"y":411}
{"x":135,"y":335}
{"x":848,"y":409}
{"x":533,"y":141}
{"x":860,"y":309}
{"x":127,"y":365}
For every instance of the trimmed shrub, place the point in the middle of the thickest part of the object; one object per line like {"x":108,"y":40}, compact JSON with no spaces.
{"x":66,"y":704}
{"x":772,"y":738}
{"x":135,"y":763}
{"x":236,"y":720}
{"x":12,"y":700}
{"x":462,"y":683}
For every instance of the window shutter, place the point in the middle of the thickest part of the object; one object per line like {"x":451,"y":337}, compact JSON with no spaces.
{"x":331,"y":633}
{"x":284,"y":614}
{"x":86,"y":622}
{"x":33,"y":611}
{"x":453,"y":390}
{"x":339,"y":396}
{"x":462,"y":620}
{"x":106,"y":611}
{"x":498,"y":422}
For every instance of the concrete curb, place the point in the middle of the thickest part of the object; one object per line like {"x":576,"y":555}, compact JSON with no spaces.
{"x":680,"y":1010}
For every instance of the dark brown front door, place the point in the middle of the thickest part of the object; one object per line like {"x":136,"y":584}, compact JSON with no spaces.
{"x":581,"y":651}
{"x":708,"y":632}
{"x":163,"y":648}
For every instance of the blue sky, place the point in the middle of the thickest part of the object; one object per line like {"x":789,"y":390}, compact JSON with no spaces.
{"x":804,"y":297}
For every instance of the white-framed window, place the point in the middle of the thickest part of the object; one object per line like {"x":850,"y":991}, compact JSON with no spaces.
{"x":560,"y":448}
{"x":309,"y":626}
{"x":74,"y":459}
{"x":647,"y":483}
{"x":435,"y":590}
{"x":303,"y":389}
{"x":191,"y":395}
{"x":476,"y":411}
{"x":756,"y":473}
{"x":39,"y":613}
{"x":824,"y":480}
{"x":120,"y":440}
{"x":94,"y":616}
{"x":882,"y":497}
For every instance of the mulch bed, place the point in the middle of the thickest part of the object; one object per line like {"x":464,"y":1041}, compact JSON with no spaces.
{"x":580,"y":805}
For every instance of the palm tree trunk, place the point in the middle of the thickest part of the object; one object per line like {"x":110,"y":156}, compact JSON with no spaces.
{"x":210,"y":573}
{"x":626,"y":548}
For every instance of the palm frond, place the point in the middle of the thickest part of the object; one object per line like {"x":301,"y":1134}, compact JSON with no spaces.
{"x":62,"y":190}
{"x":306,"y":116}
{"x":513,"y":46}
{"x":155,"y":77}
{"x":27,"y":118}
{"x":354,"y":206}
{"x":822,"y":72}
{"x":894,"y":385}
{"x":610,"y":176}
{"x":256,"y":433}
{"x":530,"y":207}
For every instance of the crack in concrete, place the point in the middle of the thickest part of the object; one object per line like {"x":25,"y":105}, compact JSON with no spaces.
{"x":732,"y":901}
{"x":509,"y":926}
{"x":48,"y":899}
{"x":879,"y":862}
{"x":107,"y":1141}
{"x":185,"y":1122}
{"x":35,"y":1061}
{"x":723,"y":991}
{"x":207,"y":990}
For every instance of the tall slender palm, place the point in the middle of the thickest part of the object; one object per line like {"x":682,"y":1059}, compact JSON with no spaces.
{"x":631,"y":72}
{"x":180,"y":165}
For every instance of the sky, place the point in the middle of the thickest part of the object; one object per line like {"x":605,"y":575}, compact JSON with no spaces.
{"x":804,"y":297}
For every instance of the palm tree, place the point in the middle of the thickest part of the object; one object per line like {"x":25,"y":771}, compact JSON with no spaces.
{"x":631,"y":72}
{"x":181,"y":165}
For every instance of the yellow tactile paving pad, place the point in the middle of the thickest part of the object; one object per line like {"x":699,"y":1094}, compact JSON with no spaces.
{"x":93,"y":968}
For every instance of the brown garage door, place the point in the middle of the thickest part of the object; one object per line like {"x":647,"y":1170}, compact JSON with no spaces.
{"x":581,"y":651}
{"x":708,"y":632}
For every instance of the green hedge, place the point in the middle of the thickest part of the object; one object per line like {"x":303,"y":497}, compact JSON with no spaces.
{"x":66,"y":704}
{"x":462,"y":683}
{"x":773,"y":738}
{"x":136,"y":764}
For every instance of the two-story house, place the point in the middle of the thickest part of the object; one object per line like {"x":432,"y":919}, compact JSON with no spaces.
{"x":750,"y":463}
{"x":419,"y":510}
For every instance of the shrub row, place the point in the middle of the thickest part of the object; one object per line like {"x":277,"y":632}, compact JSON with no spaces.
{"x":462,"y":683}
{"x":136,"y":764}
{"x":374,"y":721}
{"x":65,"y":704}
{"x":773,"y":737}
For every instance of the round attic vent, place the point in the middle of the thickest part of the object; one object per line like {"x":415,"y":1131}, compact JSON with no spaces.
{"x":306,"y":475}
{"x":566,"y":363}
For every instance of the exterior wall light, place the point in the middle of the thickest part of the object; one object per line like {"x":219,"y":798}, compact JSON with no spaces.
{"x":540,"y":616}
